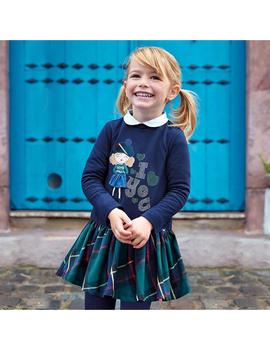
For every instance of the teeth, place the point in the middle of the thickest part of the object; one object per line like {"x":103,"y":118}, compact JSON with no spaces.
{"x":143,"y":94}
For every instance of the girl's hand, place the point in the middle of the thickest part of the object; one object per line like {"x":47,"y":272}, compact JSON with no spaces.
{"x":141,"y":230}
{"x":117,"y":218}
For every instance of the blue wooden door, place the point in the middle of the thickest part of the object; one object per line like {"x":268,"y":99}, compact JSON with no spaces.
{"x":62,"y":93}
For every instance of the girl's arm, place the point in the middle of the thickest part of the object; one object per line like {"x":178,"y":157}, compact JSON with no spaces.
{"x":94,"y":174}
{"x":178,"y":180}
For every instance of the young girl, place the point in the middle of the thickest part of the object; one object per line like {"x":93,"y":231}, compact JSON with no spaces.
{"x":136,"y":177}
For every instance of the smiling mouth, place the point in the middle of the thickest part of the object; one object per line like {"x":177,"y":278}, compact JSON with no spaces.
{"x":143,"y":94}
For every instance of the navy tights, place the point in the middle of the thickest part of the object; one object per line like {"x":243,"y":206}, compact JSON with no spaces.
{"x":94,"y":302}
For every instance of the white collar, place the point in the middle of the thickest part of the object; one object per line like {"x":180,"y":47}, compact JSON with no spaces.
{"x":158,"y":121}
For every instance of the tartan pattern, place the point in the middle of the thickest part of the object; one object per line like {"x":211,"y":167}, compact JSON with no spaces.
{"x":102,"y":265}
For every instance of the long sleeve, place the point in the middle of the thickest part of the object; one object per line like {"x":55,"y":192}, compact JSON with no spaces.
{"x":94,"y":174}
{"x":178,"y":185}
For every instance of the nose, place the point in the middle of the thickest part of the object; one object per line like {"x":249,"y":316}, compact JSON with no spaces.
{"x":143,"y":82}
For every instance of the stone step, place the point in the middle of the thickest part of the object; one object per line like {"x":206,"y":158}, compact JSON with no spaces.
{"x":46,"y":247}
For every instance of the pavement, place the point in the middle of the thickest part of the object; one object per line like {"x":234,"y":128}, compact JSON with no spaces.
{"x":227,"y":267}
{"x":32,"y":288}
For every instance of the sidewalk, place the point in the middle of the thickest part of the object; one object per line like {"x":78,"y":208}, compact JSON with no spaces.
{"x":200,"y":246}
{"x":34,"y":288}
{"x":228,"y":269}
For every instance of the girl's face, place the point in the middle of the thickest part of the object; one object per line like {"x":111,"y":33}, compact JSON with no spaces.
{"x":121,"y":158}
{"x":147,"y":91}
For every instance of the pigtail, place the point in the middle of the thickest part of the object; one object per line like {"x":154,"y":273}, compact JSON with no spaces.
{"x":184,"y":116}
{"x":122,"y":102}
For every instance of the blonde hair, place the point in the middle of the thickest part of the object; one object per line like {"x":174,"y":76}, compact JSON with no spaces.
{"x":184,"y":117}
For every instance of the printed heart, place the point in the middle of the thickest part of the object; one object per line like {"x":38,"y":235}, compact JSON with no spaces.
{"x":134,"y":200}
{"x":152,"y":178}
{"x":133,"y":171}
{"x":140,"y":156}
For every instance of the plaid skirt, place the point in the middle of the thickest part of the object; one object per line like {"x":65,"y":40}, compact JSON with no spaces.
{"x":102,"y":265}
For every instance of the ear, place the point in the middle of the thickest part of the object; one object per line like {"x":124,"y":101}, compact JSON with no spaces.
{"x":174,"y":91}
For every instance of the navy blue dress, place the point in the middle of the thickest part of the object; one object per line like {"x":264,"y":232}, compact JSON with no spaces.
{"x":151,"y":167}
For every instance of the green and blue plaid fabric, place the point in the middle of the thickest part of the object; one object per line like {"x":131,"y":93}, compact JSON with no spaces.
{"x":102,"y":265}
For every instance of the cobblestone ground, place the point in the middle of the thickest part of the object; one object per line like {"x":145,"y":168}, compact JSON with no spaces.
{"x":28,"y":287}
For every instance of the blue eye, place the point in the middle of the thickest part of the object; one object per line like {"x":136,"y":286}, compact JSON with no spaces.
{"x":134,"y":76}
{"x":156,"y":77}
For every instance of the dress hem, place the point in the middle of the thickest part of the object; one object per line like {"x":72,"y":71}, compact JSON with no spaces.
{"x":117,"y":296}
